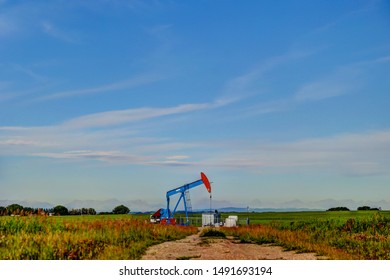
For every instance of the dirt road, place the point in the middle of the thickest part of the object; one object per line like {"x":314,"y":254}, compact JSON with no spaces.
{"x":203,"y":248}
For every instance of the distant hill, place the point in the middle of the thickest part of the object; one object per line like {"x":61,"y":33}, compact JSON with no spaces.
{"x":33,"y":204}
{"x":98,"y":205}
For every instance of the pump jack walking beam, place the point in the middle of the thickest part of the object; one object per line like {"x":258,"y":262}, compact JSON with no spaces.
{"x":182,"y":190}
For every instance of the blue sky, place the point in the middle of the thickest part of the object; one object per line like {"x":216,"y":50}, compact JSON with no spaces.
{"x":281,"y":104}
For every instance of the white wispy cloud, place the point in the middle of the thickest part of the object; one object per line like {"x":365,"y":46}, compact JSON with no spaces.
{"x":18,"y":18}
{"x":50,"y":29}
{"x":107,"y":136}
{"x":24,"y":18}
{"x":7,"y":26}
{"x":383,"y":59}
{"x":157,"y":30}
{"x":118,"y":157}
{"x":246,"y":83}
{"x":176,"y":157}
{"x":30,"y":73}
{"x":18,"y":142}
{"x":365,"y":153}
{"x":350,"y":15}
{"x":343,"y":80}
{"x":340,"y":82}
{"x":10,"y":94}
{"x":132,"y":82}
{"x":352,"y":154}
{"x":118,"y":117}
{"x":107,"y":156}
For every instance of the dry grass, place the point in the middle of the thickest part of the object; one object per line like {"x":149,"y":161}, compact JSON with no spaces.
{"x":54,"y":238}
{"x":352,"y":239}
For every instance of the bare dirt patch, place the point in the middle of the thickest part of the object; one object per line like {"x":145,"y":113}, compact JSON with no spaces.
{"x":205,"y":248}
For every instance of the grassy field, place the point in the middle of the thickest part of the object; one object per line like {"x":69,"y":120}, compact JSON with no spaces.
{"x":333,"y":234}
{"x":336,"y":235}
{"x":287,"y":217}
{"x":81,"y":237}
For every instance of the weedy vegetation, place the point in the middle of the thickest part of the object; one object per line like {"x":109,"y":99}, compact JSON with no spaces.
{"x":210,"y":232}
{"x":364,"y":236}
{"x":81,"y":238}
{"x":345,"y":235}
{"x":188,"y":257}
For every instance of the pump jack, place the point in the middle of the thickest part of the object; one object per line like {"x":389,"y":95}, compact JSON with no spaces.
{"x":166,"y":216}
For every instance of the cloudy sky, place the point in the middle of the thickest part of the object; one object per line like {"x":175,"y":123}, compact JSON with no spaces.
{"x":281,"y":104}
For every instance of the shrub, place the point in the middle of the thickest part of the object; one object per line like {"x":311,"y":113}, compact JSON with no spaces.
{"x":367,"y":208}
{"x":210,"y":232}
{"x":338,"y":209}
{"x":14,"y":209}
{"x":121,"y":209}
{"x":60,"y":210}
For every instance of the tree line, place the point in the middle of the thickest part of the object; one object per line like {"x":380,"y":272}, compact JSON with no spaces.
{"x":59,"y":210}
{"x":361,"y":208}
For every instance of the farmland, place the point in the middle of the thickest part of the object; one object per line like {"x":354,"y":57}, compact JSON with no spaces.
{"x":86,"y":237}
{"x":334,"y":235}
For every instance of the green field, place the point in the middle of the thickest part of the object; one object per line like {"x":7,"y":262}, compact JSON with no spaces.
{"x":82,"y":237}
{"x":287,"y":217}
{"x":334,"y":235}
{"x":331,"y":234}
{"x":256,"y":218}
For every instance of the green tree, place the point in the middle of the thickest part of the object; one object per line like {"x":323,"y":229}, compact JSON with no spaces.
{"x":121,"y":209}
{"x":3,"y":211}
{"x":28,"y":210}
{"x":364,"y":208}
{"x":338,"y":209}
{"x":75,"y":212}
{"x":14,"y":209}
{"x":60,"y":210}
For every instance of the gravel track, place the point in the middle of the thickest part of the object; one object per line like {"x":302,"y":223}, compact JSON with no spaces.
{"x":206,"y":248}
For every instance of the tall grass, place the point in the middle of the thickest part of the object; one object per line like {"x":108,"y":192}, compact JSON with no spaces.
{"x":54,"y":238}
{"x":365,"y":238}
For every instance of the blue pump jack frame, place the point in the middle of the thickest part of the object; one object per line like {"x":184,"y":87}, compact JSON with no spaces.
{"x":180,"y":190}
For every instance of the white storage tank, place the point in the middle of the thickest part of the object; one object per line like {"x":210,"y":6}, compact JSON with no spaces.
{"x":230,"y":222}
{"x":207,"y":219}
{"x":211,"y":219}
{"x":234,"y":217}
